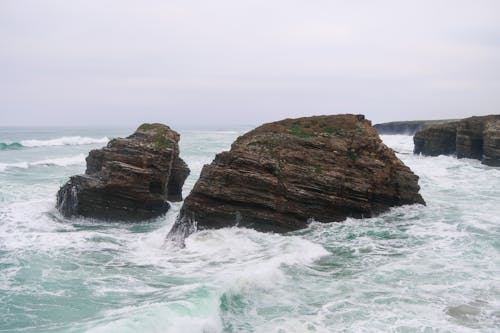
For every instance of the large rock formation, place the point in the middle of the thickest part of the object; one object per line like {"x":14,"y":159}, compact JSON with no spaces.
{"x":283,"y":174}
{"x":474,"y":137}
{"x":406,"y":127}
{"x":130,"y":179}
{"x":436,"y":140}
{"x":491,"y":143}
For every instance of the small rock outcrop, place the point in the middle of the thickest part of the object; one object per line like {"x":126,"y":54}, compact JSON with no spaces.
{"x":406,"y":127}
{"x":129,"y":179}
{"x":281,"y":175}
{"x":474,"y":137}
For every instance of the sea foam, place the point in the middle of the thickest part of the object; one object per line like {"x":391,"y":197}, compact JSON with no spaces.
{"x":62,"y":141}
{"x":61,"y":161}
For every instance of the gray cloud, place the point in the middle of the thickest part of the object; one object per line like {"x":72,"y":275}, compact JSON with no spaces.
{"x":223,"y":62}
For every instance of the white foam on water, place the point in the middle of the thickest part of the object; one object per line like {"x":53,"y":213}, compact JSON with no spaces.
{"x":60,"y":161}
{"x":416,"y":268}
{"x":175,"y":317}
{"x":64,"y":141}
{"x":5,"y":166}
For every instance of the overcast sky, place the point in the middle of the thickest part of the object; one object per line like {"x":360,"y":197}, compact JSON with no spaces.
{"x":229,"y":62}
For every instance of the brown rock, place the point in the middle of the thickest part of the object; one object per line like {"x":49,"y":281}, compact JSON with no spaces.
{"x":473,"y":137}
{"x":470,"y":137}
{"x":130,"y":179}
{"x":283,"y":174}
{"x":436,"y":140}
{"x":407,"y":127}
{"x":491,"y":146}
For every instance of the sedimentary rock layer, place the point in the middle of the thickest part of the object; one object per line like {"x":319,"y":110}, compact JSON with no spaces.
{"x":406,"y":127}
{"x":282,"y":175}
{"x":474,"y":137}
{"x":130,"y":179}
{"x":491,"y":143}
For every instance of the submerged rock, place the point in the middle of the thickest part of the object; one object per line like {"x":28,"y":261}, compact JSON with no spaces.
{"x":474,"y":137}
{"x":283,"y":174}
{"x":130,"y":179}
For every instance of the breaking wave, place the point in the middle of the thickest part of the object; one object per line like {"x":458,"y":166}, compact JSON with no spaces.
{"x":62,"y":141}
{"x":62,"y":161}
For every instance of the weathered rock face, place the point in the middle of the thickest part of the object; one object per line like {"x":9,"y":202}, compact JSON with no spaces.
{"x":491,"y":145}
{"x":467,"y":138}
{"x":130,"y":179}
{"x":406,"y":127}
{"x":280,"y":175}
{"x":470,"y":137}
{"x":436,"y":140}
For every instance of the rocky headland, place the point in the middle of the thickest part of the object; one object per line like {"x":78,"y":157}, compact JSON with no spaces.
{"x":130,"y":179}
{"x":407,"y":127}
{"x":281,"y":175}
{"x":474,"y":137}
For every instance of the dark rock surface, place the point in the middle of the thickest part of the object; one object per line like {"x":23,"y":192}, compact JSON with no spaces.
{"x":491,"y":144}
{"x":129,"y":179}
{"x":406,"y":127}
{"x":436,"y":140}
{"x":280,"y":175}
{"x":470,"y":137}
{"x":474,"y":137}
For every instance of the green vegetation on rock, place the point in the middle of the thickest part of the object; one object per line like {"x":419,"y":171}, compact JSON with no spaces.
{"x":162,"y":142}
{"x":352,"y":155}
{"x":146,"y":127}
{"x":297,"y":130}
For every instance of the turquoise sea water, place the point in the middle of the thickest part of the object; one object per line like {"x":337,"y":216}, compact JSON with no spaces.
{"x":413,"y":269}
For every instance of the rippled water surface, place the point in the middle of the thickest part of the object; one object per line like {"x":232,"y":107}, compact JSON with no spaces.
{"x":413,"y":269}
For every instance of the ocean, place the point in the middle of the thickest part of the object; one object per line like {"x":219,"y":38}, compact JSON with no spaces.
{"x":433,"y":268}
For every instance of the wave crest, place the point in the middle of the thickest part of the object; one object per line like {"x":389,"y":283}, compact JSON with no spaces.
{"x":62,"y":141}
{"x":10,"y":146}
{"x":61,"y":161}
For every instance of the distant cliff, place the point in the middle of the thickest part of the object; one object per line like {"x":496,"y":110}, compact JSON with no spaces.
{"x":474,"y":137}
{"x":406,"y":127}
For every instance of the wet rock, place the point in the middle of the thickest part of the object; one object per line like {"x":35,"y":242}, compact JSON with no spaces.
{"x":282,"y":175}
{"x":130,"y":179}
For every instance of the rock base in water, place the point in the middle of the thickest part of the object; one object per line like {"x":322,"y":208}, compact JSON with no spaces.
{"x":130,"y":179}
{"x":282,"y":175}
{"x":474,"y":137}
{"x":407,"y":127}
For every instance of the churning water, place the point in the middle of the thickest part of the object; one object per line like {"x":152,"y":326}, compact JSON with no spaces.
{"x":413,"y":269}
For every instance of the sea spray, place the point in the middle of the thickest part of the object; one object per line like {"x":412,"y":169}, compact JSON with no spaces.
{"x":413,"y":269}
{"x":61,"y":161}
{"x":64,"y":141}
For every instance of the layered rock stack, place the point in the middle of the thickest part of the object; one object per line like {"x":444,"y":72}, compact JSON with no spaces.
{"x":130,"y":179}
{"x":282,"y":175}
{"x":474,"y":137}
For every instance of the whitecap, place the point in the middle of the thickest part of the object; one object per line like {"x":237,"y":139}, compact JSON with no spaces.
{"x":60,"y":161}
{"x":64,"y":141}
